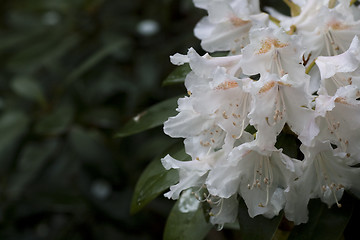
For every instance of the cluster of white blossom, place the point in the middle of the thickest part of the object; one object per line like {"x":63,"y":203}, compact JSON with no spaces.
{"x":309,"y":68}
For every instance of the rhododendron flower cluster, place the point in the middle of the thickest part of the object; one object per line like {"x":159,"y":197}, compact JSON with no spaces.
{"x":301,"y":73}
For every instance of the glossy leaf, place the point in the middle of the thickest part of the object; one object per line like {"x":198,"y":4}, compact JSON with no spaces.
{"x":153,"y":117}
{"x":186,"y":220}
{"x":155,"y":179}
{"x":324,"y":223}
{"x":178,"y":75}
{"x":259,"y":227}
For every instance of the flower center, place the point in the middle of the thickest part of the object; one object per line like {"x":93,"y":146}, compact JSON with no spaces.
{"x":236,"y":113}
{"x":238,"y":22}
{"x":280,"y":107}
{"x":341,"y":81}
{"x":323,"y":174}
{"x":332,"y":47}
{"x":262,"y":175}
{"x":267,"y":44}
{"x":334,"y":126}
{"x":227,"y":85}
{"x":336,"y":25}
{"x":212,"y":137}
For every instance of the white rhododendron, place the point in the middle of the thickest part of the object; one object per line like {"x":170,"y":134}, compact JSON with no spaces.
{"x":295,"y":76}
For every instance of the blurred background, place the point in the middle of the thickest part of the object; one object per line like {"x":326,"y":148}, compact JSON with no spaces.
{"x":73,"y":72}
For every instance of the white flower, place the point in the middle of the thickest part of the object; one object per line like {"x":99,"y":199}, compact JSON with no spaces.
{"x":259,"y":176}
{"x":277,"y":101}
{"x":325,"y":176}
{"x":227,"y":26}
{"x":217,"y":102}
{"x":326,"y":31}
{"x":223,"y":210}
{"x":224,"y":98}
{"x":191,"y":173}
{"x":332,"y":33}
{"x":273,"y":51}
{"x":205,"y":66}
{"x":212,"y":119}
{"x":340,"y":70}
{"x":337,"y":118}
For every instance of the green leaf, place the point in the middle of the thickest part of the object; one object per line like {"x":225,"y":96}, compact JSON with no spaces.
{"x":95,"y":59}
{"x":28,"y":88}
{"x":19,"y":38}
{"x":155,"y":179}
{"x":186,"y":220}
{"x":178,"y":75}
{"x":288,"y":143}
{"x":42,"y":50}
{"x":89,"y":145}
{"x":13,"y":127}
{"x":56,"y":122}
{"x":259,"y":227}
{"x":153,"y":117}
{"x":32,"y":159}
{"x":324,"y":223}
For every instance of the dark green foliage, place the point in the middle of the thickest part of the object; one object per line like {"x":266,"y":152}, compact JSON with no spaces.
{"x":75,"y":73}
{"x":184,"y":223}
{"x":72,"y":73}
{"x":259,"y":227}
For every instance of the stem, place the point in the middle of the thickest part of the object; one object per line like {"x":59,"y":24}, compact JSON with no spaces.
{"x":274,"y":20}
{"x":308,"y":69}
{"x":295,"y":10}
